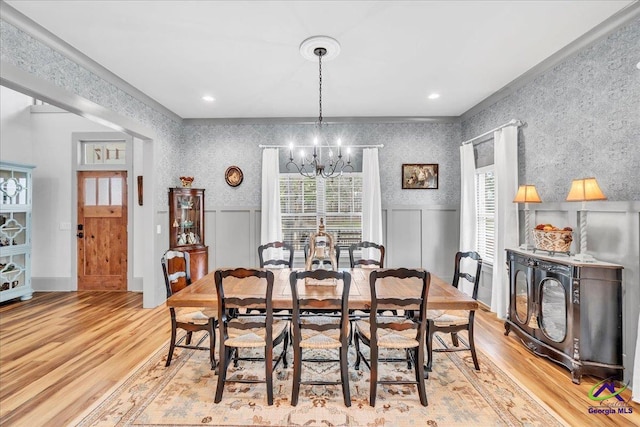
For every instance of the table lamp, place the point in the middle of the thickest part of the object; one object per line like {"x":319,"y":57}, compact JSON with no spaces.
{"x":527,"y":194}
{"x":583,"y":190}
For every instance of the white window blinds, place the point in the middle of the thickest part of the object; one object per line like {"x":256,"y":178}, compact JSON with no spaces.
{"x":485,"y":202}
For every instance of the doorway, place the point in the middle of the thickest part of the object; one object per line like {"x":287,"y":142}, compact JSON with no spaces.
{"x":102,"y":230}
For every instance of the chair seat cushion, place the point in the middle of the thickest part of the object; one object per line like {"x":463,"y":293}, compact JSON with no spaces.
{"x":198,"y":316}
{"x":448,"y":317}
{"x":389,"y":338}
{"x":254,"y":337}
{"x":320,"y":339}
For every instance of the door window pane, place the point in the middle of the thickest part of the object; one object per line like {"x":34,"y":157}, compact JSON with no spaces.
{"x":90,"y":192}
{"x":103,"y":192}
{"x":116,"y":191}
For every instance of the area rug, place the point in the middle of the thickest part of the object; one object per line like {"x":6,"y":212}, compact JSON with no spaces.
{"x":183,"y":393}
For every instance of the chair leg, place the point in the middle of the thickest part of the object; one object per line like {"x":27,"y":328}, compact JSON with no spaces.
{"x":285,"y":364}
{"x":454,"y":339}
{"x":188,"y":340}
{"x":344,"y":373}
{"x":430,"y":332}
{"x":373,"y":383}
{"x":422,"y":392}
{"x":358,"y":356}
{"x":268,"y":372}
{"x":297,"y":374}
{"x":212,"y":343}
{"x":472,"y":346}
{"x":222,"y":371}
{"x":172,"y":346}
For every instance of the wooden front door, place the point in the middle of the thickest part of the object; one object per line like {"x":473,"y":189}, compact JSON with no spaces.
{"x":102,"y":230}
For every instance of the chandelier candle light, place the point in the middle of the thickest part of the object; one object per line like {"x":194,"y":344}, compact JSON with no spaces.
{"x":527,"y":194}
{"x":311,"y":167}
{"x":584,"y":190}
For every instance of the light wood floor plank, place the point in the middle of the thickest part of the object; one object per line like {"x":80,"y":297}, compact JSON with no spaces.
{"x":60,"y":352}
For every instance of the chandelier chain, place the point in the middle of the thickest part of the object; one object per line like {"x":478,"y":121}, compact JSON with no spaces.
{"x":320,"y":85}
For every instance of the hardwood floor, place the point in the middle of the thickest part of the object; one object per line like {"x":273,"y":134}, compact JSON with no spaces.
{"x":60,"y":352}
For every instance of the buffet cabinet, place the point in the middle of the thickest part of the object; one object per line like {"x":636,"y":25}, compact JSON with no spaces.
{"x":569,"y":312}
{"x":186,"y":218}
{"x":15,"y":231}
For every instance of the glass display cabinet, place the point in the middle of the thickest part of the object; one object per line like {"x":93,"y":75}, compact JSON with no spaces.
{"x":186,"y":227}
{"x":15,"y":231}
{"x":567,"y":311}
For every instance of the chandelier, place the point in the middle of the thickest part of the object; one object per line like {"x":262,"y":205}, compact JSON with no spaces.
{"x":324,"y":161}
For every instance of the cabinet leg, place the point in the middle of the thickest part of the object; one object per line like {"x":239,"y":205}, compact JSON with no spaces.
{"x":26,"y":297}
{"x":507,"y":328}
{"x":576,"y":374}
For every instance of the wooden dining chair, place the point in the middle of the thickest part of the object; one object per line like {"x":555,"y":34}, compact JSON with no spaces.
{"x":318,"y":330}
{"x":177,"y":275}
{"x":365,"y":262}
{"x":259,"y":331}
{"x":286,"y":262}
{"x":395,"y":332}
{"x":454,"y":321}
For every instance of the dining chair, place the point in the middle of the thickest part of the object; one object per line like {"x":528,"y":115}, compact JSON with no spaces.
{"x":395,"y":332}
{"x":255,"y":331}
{"x":288,"y":263}
{"x":454,"y":321}
{"x":366,"y":262}
{"x":318,"y":330}
{"x":177,"y":275}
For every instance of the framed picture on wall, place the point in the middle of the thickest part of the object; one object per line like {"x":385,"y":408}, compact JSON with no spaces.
{"x":419,"y":176}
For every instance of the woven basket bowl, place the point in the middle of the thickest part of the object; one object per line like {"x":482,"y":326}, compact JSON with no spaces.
{"x":553,"y":241}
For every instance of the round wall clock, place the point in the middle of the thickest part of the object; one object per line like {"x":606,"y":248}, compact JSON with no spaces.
{"x":233,"y":176}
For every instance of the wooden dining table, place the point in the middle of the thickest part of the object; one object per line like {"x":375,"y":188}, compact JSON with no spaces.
{"x":442,"y":296}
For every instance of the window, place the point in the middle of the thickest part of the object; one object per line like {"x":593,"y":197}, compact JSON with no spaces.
{"x":485,"y":219}
{"x":303,"y":201}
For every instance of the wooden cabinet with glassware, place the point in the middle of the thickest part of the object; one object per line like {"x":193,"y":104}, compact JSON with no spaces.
{"x":15,"y":231}
{"x":567,"y":311}
{"x":186,"y":227}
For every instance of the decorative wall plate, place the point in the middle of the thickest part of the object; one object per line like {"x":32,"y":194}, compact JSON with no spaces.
{"x":233,"y":176}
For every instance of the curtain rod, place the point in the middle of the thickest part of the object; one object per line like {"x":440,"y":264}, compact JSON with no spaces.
{"x":311,"y":146}
{"x":513,"y":122}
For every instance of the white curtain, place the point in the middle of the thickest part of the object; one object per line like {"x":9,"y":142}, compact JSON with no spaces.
{"x":636,"y":369}
{"x":371,"y":198}
{"x":505,"y":152}
{"x":271,"y":218}
{"x":468,"y":210}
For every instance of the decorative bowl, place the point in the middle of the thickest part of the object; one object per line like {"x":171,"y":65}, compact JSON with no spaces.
{"x":186,"y":181}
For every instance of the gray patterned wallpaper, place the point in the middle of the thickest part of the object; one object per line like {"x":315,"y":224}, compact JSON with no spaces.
{"x":583,"y":119}
{"x":213,"y":148}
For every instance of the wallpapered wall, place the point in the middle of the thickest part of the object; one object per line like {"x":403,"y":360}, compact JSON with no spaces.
{"x":210,"y":149}
{"x":583,"y":119}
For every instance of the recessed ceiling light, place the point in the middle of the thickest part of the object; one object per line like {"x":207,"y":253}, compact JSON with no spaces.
{"x":434,"y":96}
{"x":208,"y":98}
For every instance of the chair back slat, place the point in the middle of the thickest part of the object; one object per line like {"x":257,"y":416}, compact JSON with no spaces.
{"x":288,"y":262}
{"x":366,"y":262}
{"x":176,"y":265}
{"x":458,"y":273}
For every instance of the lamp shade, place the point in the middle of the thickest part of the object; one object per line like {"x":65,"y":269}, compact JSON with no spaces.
{"x":527,"y":194}
{"x":584,"y":189}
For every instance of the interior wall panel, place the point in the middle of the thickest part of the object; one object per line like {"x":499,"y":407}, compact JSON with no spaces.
{"x":405,"y":234}
{"x":440,"y":241}
{"x":233,"y":239}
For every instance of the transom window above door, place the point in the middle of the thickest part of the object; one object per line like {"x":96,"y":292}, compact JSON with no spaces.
{"x":104,"y":153}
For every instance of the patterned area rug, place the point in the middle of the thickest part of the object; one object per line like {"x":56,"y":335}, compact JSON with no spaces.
{"x":182,"y":395}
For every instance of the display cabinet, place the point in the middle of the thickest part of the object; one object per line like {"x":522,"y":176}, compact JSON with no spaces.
{"x":567,"y":311}
{"x":15,"y":231}
{"x":186,"y":225}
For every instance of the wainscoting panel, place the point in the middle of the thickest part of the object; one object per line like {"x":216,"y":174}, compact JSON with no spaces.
{"x":440,"y":241}
{"x":234,"y":239}
{"x":404,"y":233}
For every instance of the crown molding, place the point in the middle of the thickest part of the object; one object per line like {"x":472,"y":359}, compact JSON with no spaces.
{"x":314,"y":120}
{"x":23,"y":23}
{"x":606,"y":27}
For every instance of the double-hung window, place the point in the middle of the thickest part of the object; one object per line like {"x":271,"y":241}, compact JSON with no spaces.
{"x":485,"y":216}
{"x":303,"y":201}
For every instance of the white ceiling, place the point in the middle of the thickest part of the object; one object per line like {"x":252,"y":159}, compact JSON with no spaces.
{"x":245,"y":53}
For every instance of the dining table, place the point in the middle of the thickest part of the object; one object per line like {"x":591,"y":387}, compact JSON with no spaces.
{"x":442,"y":295}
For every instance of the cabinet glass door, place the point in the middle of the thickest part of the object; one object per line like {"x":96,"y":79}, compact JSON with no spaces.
{"x":553,"y":309}
{"x":522,"y":296}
